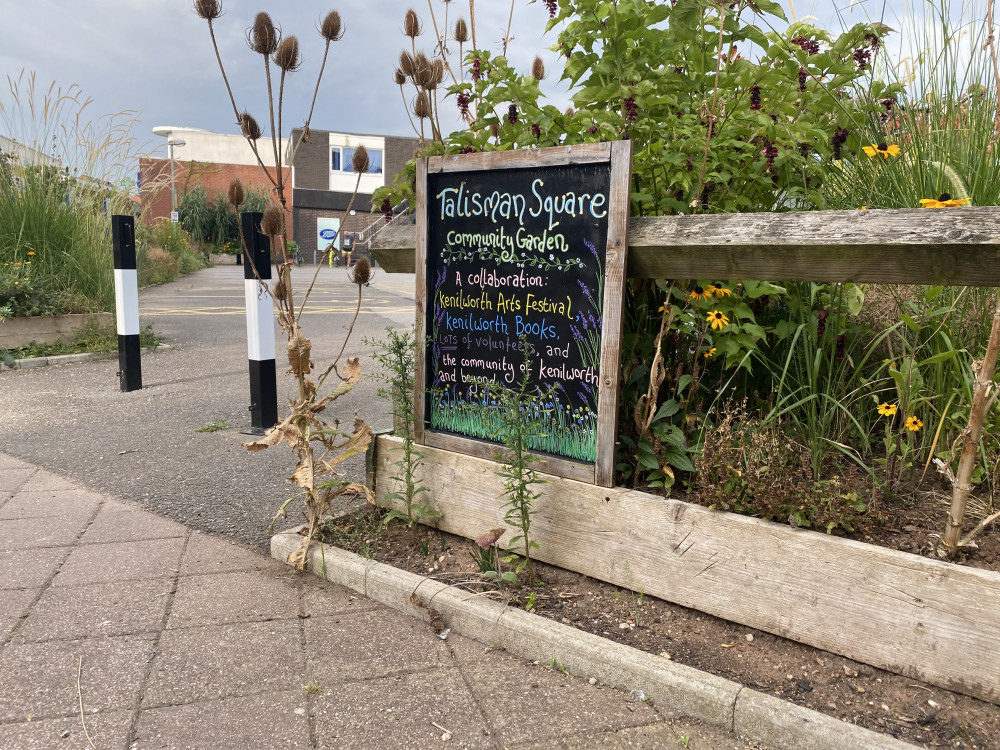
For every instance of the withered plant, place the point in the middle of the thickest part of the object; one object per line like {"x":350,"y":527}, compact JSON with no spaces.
{"x":319,"y":446}
{"x":424,"y":73}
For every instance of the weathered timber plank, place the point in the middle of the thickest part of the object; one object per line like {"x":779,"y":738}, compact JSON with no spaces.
{"x":551,"y":157}
{"x":913,"y":246}
{"x":929,"y":620}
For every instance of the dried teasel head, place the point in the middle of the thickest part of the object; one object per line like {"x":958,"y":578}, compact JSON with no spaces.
{"x":249,"y":126}
{"x":399,"y":77}
{"x":287,"y":55}
{"x":360,"y":161}
{"x":438,"y":70}
{"x":422,"y":106}
{"x":237,"y":195}
{"x":406,"y":63}
{"x":411,"y":24}
{"x":461,"y":31}
{"x":570,"y":111}
{"x":263,"y":37}
{"x":423,"y":71}
{"x":538,"y":69}
{"x":331,"y":29}
{"x":362,"y":272}
{"x":273,"y":222}
{"x":208,"y":9}
{"x":494,"y":130}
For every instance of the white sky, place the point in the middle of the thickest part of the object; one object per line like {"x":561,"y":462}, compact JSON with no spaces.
{"x":155,"y":57}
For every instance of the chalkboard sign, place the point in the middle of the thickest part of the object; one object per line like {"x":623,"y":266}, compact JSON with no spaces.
{"x":517,"y":248}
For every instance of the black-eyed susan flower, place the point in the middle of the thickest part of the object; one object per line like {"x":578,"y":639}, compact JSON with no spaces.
{"x":717,"y":319}
{"x":710,"y":353}
{"x":701,"y":293}
{"x":945,"y":201}
{"x":913,"y":424}
{"x":882,"y":150}
{"x":887,"y":410}
{"x":719,"y":291}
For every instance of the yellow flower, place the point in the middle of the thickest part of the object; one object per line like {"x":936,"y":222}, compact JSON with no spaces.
{"x":886,"y":409}
{"x":945,"y":201}
{"x":700,"y":293}
{"x":881,"y":150}
{"x":31,"y":252}
{"x":719,"y":291}
{"x":913,"y":424}
{"x":710,"y":353}
{"x":717,"y":319}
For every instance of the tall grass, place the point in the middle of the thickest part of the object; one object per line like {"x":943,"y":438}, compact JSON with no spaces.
{"x":59,"y":186}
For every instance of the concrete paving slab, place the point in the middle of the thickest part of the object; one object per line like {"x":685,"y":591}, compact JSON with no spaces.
{"x":532,"y":703}
{"x":11,"y":480}
{"x":397,"y":713}
{"x":25,"y":568}
{"x":47,"y":480}
{"x":269,"y":721}
{"x":121,"y":561}
{"x":243,"y":596}
{"x":207,"y":553}
{"x":98,"y":610}
{"x":109,"y":731}
{"x":47,"y":503}
{"x":121,"y":523}
{"x":224,"y":661}
{"x":39,"y":680}
{"x":9,"y":463}
{"x":14,"y":605}
{"x":28,"y":533}
{"x":370,"y":644}
{"x":321,"y":598}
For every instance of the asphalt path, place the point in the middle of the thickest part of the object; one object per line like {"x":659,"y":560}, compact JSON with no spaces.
{"x":144,"y":446}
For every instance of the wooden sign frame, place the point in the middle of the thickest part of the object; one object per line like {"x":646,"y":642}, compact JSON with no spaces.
{"x":618,"y":155}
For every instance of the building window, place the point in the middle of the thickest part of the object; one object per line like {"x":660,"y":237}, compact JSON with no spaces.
{"x":342,"y":156}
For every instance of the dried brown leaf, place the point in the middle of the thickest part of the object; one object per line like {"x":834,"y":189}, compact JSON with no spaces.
{"x":299,"y":350}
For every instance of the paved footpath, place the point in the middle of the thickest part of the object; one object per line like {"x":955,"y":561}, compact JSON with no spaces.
{"x":170,"y":638}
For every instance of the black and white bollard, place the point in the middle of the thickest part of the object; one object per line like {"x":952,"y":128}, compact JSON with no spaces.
{"x":126,"y":302}
{"x":260,"y":325}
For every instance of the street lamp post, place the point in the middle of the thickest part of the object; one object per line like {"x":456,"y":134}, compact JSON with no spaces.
{"x":171,"y":142}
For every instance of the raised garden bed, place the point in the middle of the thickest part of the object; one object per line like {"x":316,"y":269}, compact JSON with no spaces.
{"x":47,"y":329}
{"x":930,"y":620}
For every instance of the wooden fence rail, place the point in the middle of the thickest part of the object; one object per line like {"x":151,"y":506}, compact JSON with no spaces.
{"x":956,"y":246}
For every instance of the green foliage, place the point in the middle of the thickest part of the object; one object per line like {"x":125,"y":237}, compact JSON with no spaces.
{"x":396,"y":353}
{"x":513,"y":422}
{"x":25,"y":292}
{"x":214,"y":221}
{"x":91,"y":338}
{"x":214,"y":426}
{"x":164,"y":251}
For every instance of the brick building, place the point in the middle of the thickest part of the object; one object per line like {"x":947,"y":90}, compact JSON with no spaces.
{"x":324,"y":181}
{"x":321,"y":178}
{"x":209,"y":159}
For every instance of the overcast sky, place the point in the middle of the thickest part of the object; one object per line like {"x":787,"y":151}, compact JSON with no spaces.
{"x":155,"y":57}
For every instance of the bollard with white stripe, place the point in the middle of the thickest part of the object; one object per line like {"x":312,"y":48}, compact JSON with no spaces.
{"x":126,"y":302}
{"x":260,"y":325}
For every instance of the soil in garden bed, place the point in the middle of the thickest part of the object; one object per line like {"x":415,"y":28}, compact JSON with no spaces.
{"x":922,"y":714}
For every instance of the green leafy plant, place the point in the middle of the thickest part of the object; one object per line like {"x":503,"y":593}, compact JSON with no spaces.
{"x":396,"y":353}
{"x":485,"y":553}
{"x":214,"y":426}
{"x":513,"y":420}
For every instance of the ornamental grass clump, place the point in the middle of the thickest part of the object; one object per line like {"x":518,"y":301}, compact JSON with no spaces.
{"x":320,"y":447}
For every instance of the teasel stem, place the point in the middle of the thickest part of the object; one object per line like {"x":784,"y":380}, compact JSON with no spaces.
{"x":270,"y":107}
{"x":990,"y":42}
{"x":472,"y":22}
{"x":506,"y":37}
{"x":326,"y":253}
{"x":232,"y":99}
{"x":711,"y":114}
{"x":406,"y":108}
{"x":350,"y":330}
{"x":442,"y":40}
{"x":319,"y":78}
